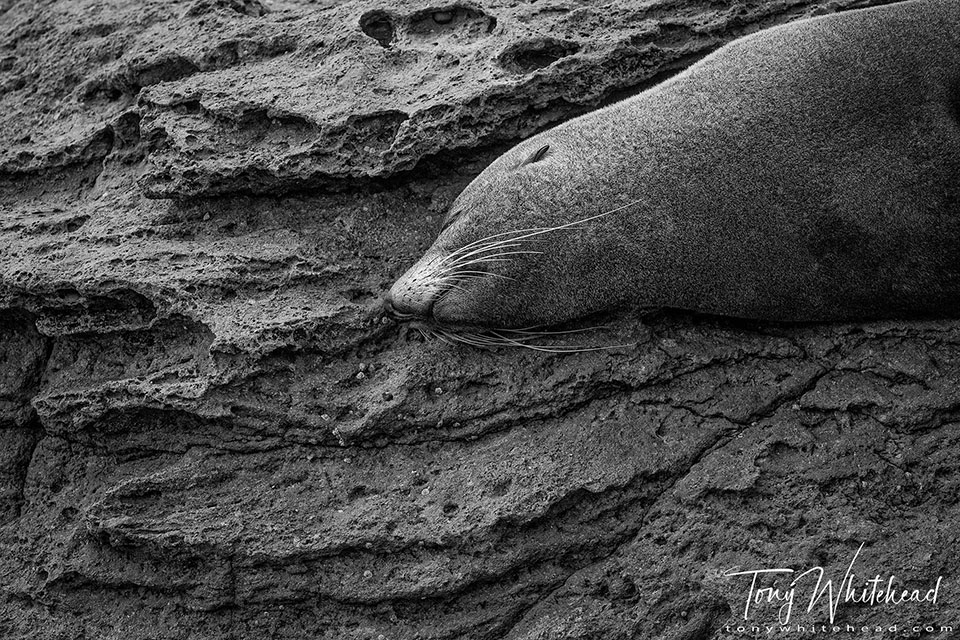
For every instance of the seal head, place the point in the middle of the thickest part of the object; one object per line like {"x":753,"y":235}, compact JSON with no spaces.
{"x":519,"y":227}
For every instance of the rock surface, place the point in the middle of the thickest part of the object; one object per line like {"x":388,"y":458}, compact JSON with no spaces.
{"x":208,"y":431}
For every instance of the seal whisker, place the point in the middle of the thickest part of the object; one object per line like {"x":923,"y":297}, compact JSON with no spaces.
{"x":501,"y":338}
{"x":474,"y":252}
{"x":559,"y":227}
{"x":468,"y":259}
{"x":494,"y":246}
{"x":454,"y":268}
{"x":496,"y":258}
{"x":558,"y":349}
{"x":487,"y":342}
{"x":471,"y":340}
{"x":536,"y":231}
{"x":433,"y":332}
{"x":443,"y":338}
{"x":479,"y":247}
{"x":468,"y":339}
{"x":477,"y":275}
{"x":481,"y":340}
{"x":497,"y":245}
{"x":550,"y":332}
{"x":484,"y":339}
{"x":490,"y":253}
{"x":481,"y":241}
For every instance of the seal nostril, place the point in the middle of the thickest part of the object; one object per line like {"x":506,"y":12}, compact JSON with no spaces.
{"x":388,"y":306}
{"x":391,"y":309}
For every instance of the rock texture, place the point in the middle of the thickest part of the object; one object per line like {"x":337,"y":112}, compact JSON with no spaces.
{"x":208,"y":431}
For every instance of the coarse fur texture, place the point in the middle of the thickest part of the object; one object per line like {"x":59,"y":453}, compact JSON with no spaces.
{"x":806,"y":172}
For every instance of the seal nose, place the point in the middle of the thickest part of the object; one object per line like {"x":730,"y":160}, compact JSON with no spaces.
{"x":391,"y":309}
{"x":395,"y":307}
{"x":414,"y":293}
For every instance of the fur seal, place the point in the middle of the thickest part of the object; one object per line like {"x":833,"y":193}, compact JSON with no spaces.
{"x":808,"y":172}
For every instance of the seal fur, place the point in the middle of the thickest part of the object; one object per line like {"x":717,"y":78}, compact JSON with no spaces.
{"x":806,"y":172}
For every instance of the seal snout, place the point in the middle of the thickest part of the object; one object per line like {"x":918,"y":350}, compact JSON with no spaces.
{"x":413,"y":295}
{"x":401,"y":310}
{"x":391,"y":309}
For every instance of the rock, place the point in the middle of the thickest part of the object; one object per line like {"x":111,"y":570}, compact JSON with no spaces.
{"x":207,"y":430}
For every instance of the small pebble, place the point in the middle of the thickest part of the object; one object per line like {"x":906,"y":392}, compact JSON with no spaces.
{"x":438,"y":391}
{"x":368,"y":574}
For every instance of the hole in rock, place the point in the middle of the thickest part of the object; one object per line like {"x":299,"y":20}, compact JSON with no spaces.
{"x":379,"y":26}
{"x":524,"y":57}
{"x":466,"y":21}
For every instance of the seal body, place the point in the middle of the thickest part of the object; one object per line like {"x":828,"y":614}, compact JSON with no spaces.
{"x":807,"y":172}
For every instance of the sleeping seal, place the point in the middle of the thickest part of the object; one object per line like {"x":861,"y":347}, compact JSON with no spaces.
{"x":807,"y":172}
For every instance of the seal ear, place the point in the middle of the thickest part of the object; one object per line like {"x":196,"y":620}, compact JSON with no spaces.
{"x":536,"y":156}
{"x":450,"y":217}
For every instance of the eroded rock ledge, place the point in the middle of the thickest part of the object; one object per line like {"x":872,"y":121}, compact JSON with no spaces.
{"x":207,"y":430}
